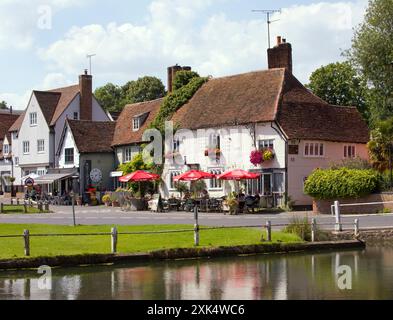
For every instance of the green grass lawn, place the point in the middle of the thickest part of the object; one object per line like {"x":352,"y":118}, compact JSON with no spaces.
{"x":55,"y":246}
{"x":8,"y":209}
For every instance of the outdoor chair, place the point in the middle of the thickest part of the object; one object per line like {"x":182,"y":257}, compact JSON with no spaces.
{"x":174,"y":204}
{"x":215,"y":205}
{"x":189,"y":205}
{"x":251,"y":203}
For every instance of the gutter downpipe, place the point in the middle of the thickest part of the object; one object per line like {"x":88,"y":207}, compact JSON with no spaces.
{"x":282,"y":134}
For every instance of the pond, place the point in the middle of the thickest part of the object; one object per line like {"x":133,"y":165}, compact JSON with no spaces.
{"x":277,"y":277}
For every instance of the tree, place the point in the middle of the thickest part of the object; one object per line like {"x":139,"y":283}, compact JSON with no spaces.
{"x":114,"y":98}
{"x":109,"y":97}
{"x":372,"y":53}
{"x":143,"y":89}
{"x":3,"y":105}
{"x":183,"y":78}
{"x":339,"y":84}
{"x":380,"y":144}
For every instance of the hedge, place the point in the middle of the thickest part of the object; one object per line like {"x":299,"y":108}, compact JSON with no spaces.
{"x":341,"y":183}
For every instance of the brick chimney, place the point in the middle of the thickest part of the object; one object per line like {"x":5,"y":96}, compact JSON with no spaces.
{"x":86,"y":93}
{"x":281,"y":55}
{"x":172,"y":73}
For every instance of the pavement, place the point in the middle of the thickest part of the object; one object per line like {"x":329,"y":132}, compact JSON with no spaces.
{"x":114,"y":216}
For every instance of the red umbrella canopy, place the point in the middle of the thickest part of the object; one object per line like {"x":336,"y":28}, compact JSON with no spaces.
{"x":238,"y":175}
{"x":194,"y":175}
{"x":139,"y":176}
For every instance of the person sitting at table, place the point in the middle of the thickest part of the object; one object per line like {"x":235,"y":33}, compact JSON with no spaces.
{"x":205,"y":194}
{"x":257,"y":199}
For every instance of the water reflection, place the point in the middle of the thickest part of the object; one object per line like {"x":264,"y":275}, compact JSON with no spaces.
{"x":296,"y":276}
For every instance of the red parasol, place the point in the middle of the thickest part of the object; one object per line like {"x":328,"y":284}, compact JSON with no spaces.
{"x":194,"y":175}
{"x":238,"y":175}
{"x":139,"y":176}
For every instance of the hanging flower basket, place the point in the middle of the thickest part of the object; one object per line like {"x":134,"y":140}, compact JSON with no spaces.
{"x":268,"y":154}
{"x":256,"y":157}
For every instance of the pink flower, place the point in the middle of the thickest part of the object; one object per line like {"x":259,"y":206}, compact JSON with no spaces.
{"x":256,"y":157}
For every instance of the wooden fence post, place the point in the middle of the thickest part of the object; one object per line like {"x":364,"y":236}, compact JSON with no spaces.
{"x":26,"y":238}
{"x":269,"y":231}
{"x":1,"y":208}
{"x":114,"y":236}
{"x":339,"y":226}
{"x":313,"y":230}
{"x":356,"y":228}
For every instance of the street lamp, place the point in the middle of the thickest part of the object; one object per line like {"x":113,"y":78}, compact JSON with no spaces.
{"x":74,"y":178}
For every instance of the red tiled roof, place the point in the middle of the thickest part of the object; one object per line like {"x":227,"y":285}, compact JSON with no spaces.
{"x":239,"y":99}
{"x":6,"y":121}
{"x":267,"y":96}
{"x":18,"y":123}
{"x":92,"y":136}
{"x":67,"y":94}
{"x":48,"y":102}
{"x":52,"y":103}
{"x":124,"y":134}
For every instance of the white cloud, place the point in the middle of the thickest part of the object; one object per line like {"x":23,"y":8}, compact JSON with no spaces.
{"x":20,"y":20}
{"x":213,"y":44}
{"x":220,"y":46}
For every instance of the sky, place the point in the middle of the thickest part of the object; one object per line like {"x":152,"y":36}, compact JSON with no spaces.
{"x":44,"y":43}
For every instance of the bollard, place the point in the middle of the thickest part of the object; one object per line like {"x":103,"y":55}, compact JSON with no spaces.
{"x":25,"y":208}
{"x":47,"y":206}
{"x":40,"y":207}
{"x":12,"y":201}
{"x":338,"y":226}
{"x":196,"y":235}
{"x":269,"y":231}
{"x":114,"y":235}
{"x":1,"y":207}
{"x":313,"y":230}
{"x":26,"y":238}
{"x":356,"y":228}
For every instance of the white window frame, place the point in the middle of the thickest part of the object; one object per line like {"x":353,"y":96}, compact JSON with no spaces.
{"x":33,"y":119}
{"x":127,"y":154}
{"x":265,"y":143}
{"x":26,"y":147}
{"x":307,"y":149}
{"x":172,"y":174}
{"x":73,"y":156}
{"x":215,"y":184}
{"x":348,"y":147}
{"x":6,"y":149}
{"x":42,"y":150}
{"x":136,"y":123}
{"x":41,"y":172}
{"x":16,"y":161}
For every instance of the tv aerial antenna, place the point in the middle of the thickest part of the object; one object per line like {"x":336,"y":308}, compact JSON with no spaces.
{"x":269,"y":14}
{"x":90,"y":56}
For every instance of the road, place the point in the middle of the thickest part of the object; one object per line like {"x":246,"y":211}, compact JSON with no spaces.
{"x":114,"y":216}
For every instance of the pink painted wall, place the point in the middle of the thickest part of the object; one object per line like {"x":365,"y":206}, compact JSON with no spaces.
{"x":300,"y":167}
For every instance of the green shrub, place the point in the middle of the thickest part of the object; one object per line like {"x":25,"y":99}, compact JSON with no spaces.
{"x":302,"y":228}
{"x":341,"y":183}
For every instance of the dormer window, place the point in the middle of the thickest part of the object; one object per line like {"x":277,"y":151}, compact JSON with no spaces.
{"x":136,"y":124}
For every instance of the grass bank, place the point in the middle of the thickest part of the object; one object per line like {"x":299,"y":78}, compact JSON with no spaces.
{"x":79,"y":245}
{"x":18,"y":209}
